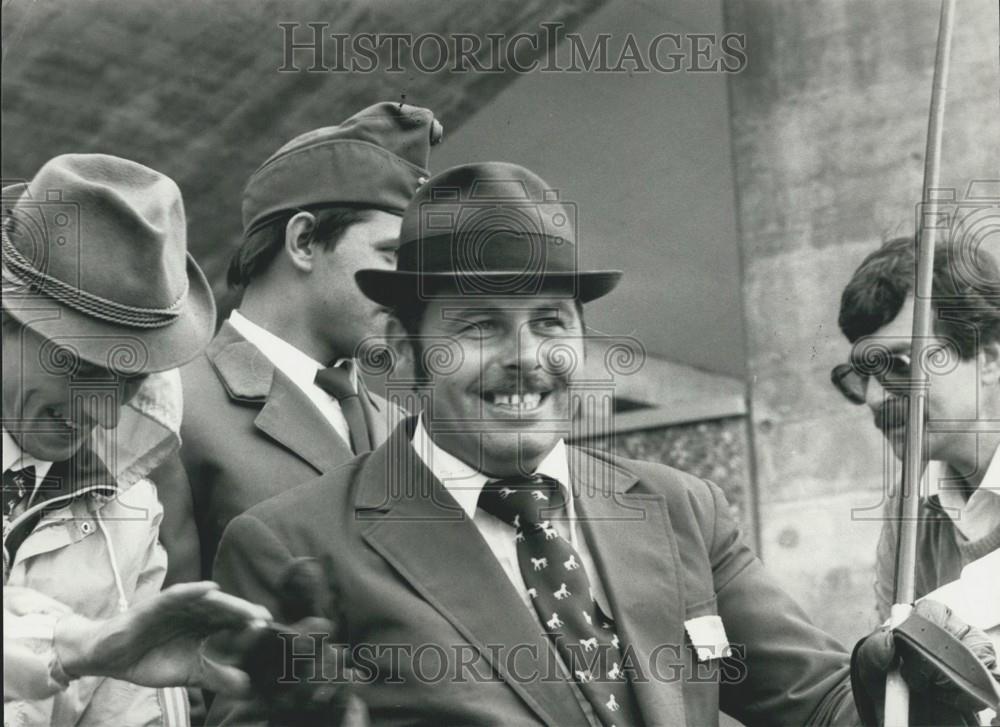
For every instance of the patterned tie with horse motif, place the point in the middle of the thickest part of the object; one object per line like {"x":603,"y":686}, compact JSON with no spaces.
{"x":557,"y":583}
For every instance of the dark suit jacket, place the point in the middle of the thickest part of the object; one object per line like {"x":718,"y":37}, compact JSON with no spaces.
{"x":248,"y":433}
{"x":409,"y":570}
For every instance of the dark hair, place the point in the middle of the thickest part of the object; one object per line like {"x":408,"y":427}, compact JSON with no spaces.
{"x":261,"y":244}
{"x":965,"y":293}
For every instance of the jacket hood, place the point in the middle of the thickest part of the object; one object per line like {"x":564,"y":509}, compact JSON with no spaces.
{"x":148,"y":430}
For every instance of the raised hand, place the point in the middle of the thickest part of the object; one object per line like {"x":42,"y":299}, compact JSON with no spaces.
{"x":160,"y":641}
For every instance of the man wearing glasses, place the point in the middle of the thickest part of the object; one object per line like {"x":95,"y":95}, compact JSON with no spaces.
{"x":960,"y":523}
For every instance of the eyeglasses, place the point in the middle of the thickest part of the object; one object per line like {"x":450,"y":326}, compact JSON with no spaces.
{"x":891,"y":370}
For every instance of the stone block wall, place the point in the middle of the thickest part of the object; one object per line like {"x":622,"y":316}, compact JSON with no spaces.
{"x":828,"y":130}
{"x":716,"y":450}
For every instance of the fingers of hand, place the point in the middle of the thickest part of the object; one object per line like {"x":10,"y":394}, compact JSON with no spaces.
{"x":923,"y":675}
{"x":877,"y":654}
{"x":301,"y":652}
{"x":232,"y":609}
{"x":972,"y":638}
{"x":222,"y":679}
{"x":231,"y":646}
{"x":201,"y":609}
{"x":182,"y":593}
{"x":939,"y":614}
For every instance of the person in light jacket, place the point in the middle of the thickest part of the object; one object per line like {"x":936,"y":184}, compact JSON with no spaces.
{"x":101,"y":304}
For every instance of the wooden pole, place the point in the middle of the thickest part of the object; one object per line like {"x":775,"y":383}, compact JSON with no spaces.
{"x":897,"y":696}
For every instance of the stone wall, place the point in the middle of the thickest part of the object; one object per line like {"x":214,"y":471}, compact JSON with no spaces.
{"x":716,"y":450}
{"x":828,"y":131}
{"x":644,"y":160}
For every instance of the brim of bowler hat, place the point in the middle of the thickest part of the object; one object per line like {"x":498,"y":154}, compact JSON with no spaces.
{"x":398,"y":287}
{"x":130,"y":351}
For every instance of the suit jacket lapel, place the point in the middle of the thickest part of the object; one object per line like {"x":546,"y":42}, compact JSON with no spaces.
{"x":293,"y":420}
{"x":243,"y":369}
{"x":423,"y":533}
{"x":287,"y":415}
{"x":630,"y":537}
{"x":377,"y":412}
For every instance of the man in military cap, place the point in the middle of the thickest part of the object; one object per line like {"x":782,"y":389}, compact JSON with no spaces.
{"x":276,"y":399}
{"x":481,"y":570}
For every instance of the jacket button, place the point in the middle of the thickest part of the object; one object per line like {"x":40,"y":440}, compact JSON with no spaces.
{"x":87,"y":527}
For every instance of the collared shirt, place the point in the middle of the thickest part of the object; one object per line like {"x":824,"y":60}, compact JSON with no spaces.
{"x":464,"y":484}
{"x":297,"y":366}
{"x":979,"y":515}
{"x":17,"y":459}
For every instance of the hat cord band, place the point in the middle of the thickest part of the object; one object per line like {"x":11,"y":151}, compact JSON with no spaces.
{"x":90,"y":304}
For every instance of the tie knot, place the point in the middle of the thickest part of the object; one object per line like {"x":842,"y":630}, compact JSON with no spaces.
{"x":522,"y":501}
{"x":19,"y":479}
{"x":336,"y":381}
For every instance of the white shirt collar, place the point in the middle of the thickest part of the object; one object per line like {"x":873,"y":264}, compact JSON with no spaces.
{"x":16,"y":458}
{"x":297,"y":365}
{"x":977,"y":516}
{"x":991,"y":480}
{"x":465,"y":483}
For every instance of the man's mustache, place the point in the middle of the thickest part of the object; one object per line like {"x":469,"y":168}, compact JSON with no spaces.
{"x":891,"y":414}
{"x":529,"y":381}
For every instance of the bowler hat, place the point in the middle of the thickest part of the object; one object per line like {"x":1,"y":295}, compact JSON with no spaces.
{"x":376,"y":158}
{"x":486,"y":229}
{"x":95,"y":259}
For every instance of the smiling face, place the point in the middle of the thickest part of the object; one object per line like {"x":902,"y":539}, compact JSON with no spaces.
{"x":51,"y":400}
{"x":957,"y":404}
{"x":504,"y":398}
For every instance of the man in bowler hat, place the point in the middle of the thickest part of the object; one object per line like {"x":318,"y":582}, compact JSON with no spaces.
{"x":276,"y":398}
{"x":100,"y":302}
{"x":483,"y":571}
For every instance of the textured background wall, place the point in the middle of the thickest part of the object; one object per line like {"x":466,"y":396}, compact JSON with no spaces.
{"x":645,"y":158}
{"x":192,"y":88}
{"x":715,"y":450}
{"x":828,"y":129}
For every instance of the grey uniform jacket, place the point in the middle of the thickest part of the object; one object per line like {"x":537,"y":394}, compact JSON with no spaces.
{"x":248,"y":433}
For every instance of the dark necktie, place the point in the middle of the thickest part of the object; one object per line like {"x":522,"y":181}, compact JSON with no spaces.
{"x":336,"y":381}
{"x":17,"y":487}
{"x":560,"y":592}
{"x":17,"y":484}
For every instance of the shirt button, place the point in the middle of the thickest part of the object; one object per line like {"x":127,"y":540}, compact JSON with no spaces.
{"x":87,"y":527}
